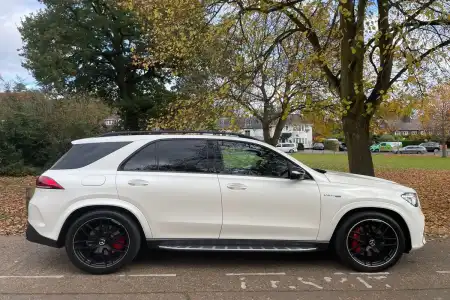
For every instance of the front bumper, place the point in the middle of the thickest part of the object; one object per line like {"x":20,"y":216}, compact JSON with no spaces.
{"x":417,"y":230}
{"x":33,"y":236}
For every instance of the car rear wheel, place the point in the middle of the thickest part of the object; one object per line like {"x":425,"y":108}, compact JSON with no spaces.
{"x":102,"y":242}
{"x":369,"y":242}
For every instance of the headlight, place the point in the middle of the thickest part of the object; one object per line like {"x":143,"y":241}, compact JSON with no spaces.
{"x":411,"y":198}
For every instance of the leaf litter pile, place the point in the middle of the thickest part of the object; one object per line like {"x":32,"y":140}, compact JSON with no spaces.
{"x":433,"y":187}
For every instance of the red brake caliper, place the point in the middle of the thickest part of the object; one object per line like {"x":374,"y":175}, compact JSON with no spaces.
{"x":355,"y":244}
{"x":120,"y":243}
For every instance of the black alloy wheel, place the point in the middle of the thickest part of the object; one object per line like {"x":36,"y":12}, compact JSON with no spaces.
{"x":101,"y":242}
{"x":370,"y":241}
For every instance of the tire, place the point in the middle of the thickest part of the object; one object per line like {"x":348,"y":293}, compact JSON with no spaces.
{"x":343,"y":236}
{"x":113,"y":218}
{"x":291,"y":151}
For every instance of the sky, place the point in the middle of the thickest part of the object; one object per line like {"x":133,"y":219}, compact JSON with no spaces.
{"x":11,"y":14}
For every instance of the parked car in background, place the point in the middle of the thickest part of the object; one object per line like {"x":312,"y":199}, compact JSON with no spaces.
{"x":431,"y":146}
{"x":386,"y":147}
{"x":412,"y":150}
{"x":287,"y":147}
{"x":318,"y":146}
{"x":342,"y":146}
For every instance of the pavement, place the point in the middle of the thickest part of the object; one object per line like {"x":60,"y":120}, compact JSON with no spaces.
{"x":30,"y":271}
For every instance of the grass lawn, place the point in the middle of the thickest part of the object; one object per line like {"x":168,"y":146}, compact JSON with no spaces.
{"x":339,"y":162}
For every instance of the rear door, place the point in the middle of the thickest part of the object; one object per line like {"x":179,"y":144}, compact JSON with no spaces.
{"x":173,"y":182}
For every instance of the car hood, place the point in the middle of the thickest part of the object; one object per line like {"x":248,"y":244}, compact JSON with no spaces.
{"x":361,"y":180}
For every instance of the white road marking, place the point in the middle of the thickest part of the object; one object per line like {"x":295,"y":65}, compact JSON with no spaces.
{"x":243,"y":284}
{"x":327,"y":279}
{"x":309,"y":283}
{"x":443,"y":272}
{"x":339,"y":273}
{"x":343,"y":279}
{"x":363,"y":282}
{"x":274,"y":284}
{"x":33,"y":277}
{"x":147,"y":275}
{"x":292,"y":287}
{"x":256,"y":274}
{"x":371,"y":274}
{"x":388,"y":286}
{"x":378,"y":277}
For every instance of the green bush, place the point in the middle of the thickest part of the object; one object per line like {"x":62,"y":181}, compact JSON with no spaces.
{"x":409,"y":142}
{"x":386,"y":138}
{"x":300,"y":147}
{"x":36,"y":131}
{"x":331,"y":145}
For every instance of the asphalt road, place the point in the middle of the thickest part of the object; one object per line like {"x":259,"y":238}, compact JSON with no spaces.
{"x":30,"y":271}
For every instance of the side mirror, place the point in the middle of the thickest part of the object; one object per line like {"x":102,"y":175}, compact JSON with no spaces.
{"x":297,"y":175}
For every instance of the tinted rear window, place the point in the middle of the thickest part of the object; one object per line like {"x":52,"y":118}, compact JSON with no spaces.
{"x":178,"y":155}
{"x":81,"y":155}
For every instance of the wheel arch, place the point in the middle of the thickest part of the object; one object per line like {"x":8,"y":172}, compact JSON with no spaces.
{"x":391,"y":213}
{"x":137,"y":217}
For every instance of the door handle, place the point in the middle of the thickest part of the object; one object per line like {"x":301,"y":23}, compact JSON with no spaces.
{"x":236,"y":186}
{"x":138,"y":182}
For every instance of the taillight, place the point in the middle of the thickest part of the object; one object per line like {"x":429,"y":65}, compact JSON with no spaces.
{"x":44,"y":182}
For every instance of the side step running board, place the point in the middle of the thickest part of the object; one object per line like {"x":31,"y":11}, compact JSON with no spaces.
{"x":241,"y":248}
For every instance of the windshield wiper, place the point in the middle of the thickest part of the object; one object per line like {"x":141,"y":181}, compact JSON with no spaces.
{"x":320,"y":170}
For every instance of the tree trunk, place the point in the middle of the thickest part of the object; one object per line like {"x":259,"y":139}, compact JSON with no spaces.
{"x":356,"y":130}
{"x":273,"y":140}
{"x":444,"y":147}
{"x":277,"y":132}
{"x":130,"y":120}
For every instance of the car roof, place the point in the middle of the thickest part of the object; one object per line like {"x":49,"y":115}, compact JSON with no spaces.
{"x":152,"y":137}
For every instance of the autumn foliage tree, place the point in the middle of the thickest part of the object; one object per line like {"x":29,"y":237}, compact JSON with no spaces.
{"x":89,"y":46}
{"x":382,"y":43}
{"x":436,"y":114}
{"x":271,"y":80}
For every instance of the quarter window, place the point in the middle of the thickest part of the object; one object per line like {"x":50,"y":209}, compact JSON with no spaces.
{"x":81,"y":155}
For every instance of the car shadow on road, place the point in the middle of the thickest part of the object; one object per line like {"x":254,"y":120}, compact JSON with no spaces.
{"x":223,"y":259}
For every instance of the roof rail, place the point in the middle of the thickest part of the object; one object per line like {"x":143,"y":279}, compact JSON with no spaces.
{"x":158,"y":132}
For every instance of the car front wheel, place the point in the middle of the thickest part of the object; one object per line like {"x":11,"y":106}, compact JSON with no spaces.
{"x":102,"y":241}
{"x":369,"y":241}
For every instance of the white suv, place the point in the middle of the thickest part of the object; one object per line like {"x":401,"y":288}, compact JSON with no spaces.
{"x":221,"y":192}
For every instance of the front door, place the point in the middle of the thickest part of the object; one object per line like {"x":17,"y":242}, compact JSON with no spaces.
{"x":258,"y":198}
{"x":173,"y":183}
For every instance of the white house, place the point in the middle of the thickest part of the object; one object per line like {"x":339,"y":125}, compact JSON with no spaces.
{"x":295,"y":131}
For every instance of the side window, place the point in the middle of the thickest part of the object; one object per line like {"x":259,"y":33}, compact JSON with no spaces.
{"x":184,"y":155}
{"x":178,"y":155}
{"x":383,"y":144}
{"x":241,"y":158}
{"x":144,"y":160}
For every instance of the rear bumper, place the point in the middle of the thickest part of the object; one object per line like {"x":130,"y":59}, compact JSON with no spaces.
{"x":33,"y":236}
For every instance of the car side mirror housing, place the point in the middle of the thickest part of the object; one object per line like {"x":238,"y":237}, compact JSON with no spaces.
{"x":297,"y":175}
